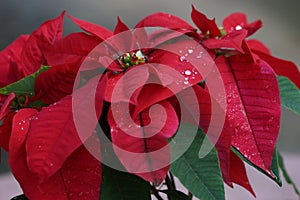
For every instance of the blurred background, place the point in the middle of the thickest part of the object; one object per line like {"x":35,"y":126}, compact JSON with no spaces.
{"x":280,"y":33}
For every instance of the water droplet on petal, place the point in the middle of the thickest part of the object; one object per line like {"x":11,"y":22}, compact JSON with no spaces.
{"x":238,"y":27}
{"x":190,"y":51}
{"x":187,"y":72}
{"x":182,"y":58}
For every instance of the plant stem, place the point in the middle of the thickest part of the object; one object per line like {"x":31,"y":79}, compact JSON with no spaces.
{"x":172,"y":180}
{"x":169,"y":183}
{"x":155,"y":193}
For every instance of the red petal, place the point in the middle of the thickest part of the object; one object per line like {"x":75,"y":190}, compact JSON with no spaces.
{"x":55,"y":83}
{"x":120,"y":27}
{"x":280,"y":66}
{"x":51,"y":139}
{"x":79,"y":177}
{"x":164,"y":20}
{"x":182,"y":61}
{"x":46,"y":35}
{"x":73,"y":47}
{"x":7,"y":100}
{"x":91,"y":28}
{"x":205,"y":24}
{"x":5,"y":131}
{"x":145,"y":152}
{"x":238,"y":173}
{"x":258,"y":46}
{"x":11,"y":68}
{"x":147,"y":97}
{"x":237,"y":21}
{"x":253,"y":107}
{"x":160,"y":36}
{"x":121,"y":87}
{"x":53,"y":135}
{"x":122,"y":42}
{"x":232,"y":40}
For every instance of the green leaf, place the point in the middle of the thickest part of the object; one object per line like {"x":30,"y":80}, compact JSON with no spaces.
{"x":175,"y":195}
{"x":202,"y":177}
{"x":23,"y":86}
{"x":289,"y":94}
{"x":117,"y":185}
{"x":286,"y":175}
{"x":274,"y":167}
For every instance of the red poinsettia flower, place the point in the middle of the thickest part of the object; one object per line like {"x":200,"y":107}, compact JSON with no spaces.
{"x":45,"y":157}
{"x":12,"y":71}
{"x":131,"y":69}
{"x":238,"y":21}
{"x":250,"y":121}
{"x":23,"y":57}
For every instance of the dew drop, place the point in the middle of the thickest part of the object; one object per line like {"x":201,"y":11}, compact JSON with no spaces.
{"x":182,"y":58}
{"x":236,"y":130}
{"x":186,"y":82}
{"x":238,"y":27}
{"x":190,"y":51}
{"x":187,"y":72}
{"x":22,"y":128}
{"x":180,"y":51}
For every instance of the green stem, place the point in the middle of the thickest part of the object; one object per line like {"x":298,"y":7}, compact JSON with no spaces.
{"x":155,"y":193}
{"x":172,"y":180}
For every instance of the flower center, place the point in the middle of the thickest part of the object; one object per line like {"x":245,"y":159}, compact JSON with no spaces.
{"x":132,"y":59}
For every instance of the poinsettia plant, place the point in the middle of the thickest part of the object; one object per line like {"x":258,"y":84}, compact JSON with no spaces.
{"x":103,"y":114}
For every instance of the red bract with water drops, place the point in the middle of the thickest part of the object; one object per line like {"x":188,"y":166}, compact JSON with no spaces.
{"x":117,"y":114}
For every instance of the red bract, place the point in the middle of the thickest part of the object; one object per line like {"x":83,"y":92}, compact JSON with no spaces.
{"x":238,"y":21}
{"x":11,"y":71}
{"x":280,"y":66}
{"x":207,"y":26}
{"x":146,"y":137}
{"x":231,"y":41}
{"x":256,"y":120}
{"x":46,"y":35}
{"x":10,"y":61}
{"x":91,"y":28}
{"x":79,"y":177}
{"x":164,"y":20}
